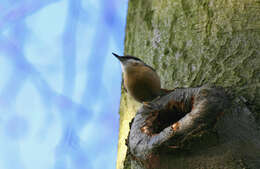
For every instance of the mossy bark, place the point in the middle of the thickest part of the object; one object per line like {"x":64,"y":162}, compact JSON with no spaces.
{"x":191,"y":43}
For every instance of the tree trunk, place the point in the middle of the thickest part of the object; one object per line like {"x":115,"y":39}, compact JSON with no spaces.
{"x":192,"y":43}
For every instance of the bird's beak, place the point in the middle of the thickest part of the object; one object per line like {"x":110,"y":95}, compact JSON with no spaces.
{"x":117,"y":56}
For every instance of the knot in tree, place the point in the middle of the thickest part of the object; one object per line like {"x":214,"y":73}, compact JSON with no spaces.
{"x":203,"y":122}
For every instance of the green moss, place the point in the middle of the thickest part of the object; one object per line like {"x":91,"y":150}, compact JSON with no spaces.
{"x":148,"y":19}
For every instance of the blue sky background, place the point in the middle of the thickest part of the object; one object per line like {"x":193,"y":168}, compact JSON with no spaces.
{"x":59,"y":83}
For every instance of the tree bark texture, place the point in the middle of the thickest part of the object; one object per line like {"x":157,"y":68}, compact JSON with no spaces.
{"x":194,"y":128}
{"x":192,"y":43}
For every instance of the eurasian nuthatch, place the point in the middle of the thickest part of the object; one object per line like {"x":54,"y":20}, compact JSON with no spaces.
{"x":140,"y":80}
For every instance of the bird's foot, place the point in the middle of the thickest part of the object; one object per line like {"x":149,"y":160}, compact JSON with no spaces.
{"x":151,"y":105}
{"x":156,"y":99}
{"x":148,"y":105}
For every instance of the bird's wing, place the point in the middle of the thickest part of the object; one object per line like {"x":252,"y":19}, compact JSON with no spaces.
{"x":150,"y":67}
{"x":124,"y":88}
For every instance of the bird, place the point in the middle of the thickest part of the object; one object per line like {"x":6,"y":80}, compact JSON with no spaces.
{"x":139,"y":79}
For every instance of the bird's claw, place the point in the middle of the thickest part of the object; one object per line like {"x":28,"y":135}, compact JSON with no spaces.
{"x":151,"y":105}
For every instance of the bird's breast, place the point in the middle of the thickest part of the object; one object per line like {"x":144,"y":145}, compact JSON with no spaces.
{"x":142,"y":84}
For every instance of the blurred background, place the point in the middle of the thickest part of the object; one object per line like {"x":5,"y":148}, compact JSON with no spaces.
{"x":59,"y":84}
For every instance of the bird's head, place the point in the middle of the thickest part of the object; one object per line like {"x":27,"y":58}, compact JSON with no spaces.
{"x":129,"y":61}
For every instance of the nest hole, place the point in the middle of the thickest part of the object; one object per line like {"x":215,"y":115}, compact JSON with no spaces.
{"x":166,"y":118}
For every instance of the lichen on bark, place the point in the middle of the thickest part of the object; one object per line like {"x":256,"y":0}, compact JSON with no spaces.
{"x":191,"y":43}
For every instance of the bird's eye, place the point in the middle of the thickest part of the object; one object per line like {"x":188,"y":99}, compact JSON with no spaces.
{"x":135,"y":63}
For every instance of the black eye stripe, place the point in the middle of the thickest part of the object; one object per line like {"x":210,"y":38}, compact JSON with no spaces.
{"x":131,"y":57}
{"x":135,"y":58}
